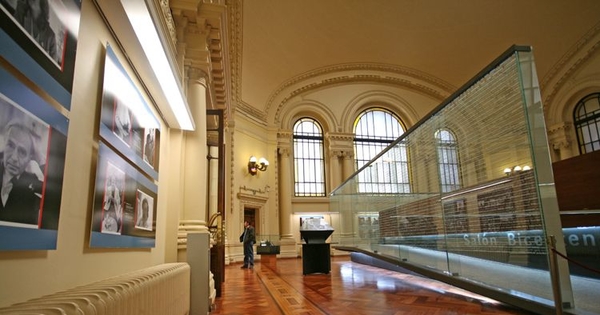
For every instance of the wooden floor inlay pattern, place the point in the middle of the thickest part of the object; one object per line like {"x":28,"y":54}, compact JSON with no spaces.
{"x":289,"y":300}
{"x":349,"y":289}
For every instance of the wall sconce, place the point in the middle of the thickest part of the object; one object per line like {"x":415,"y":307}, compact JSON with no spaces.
{"x":516,"y":169}
{"x":254,"y":166}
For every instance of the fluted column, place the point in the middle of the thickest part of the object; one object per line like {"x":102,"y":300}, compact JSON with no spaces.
{"x":335,"y":179}
{"x":341,"y":151}
{"x":194,"y":155}
{"x":347,"y":216}
{"x":348,"y":163}
{"x":339,"y":144}
{"x":285,"y":192}
{"x":285,"y":184}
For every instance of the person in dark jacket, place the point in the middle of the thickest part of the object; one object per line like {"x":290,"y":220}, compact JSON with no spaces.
{"x":248,"y":238}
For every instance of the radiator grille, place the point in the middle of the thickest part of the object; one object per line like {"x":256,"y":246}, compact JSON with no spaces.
{"x":158,"y":290}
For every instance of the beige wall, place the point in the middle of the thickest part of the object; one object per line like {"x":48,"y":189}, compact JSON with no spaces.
{"x":29,"y":274}
{"x":259,"y":192}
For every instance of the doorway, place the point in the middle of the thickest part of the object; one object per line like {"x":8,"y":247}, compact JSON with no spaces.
{"x":251,"y":215}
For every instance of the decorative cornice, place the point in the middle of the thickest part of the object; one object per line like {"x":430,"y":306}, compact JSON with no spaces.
{"x":197,"y":74}
{"x":562,"y":127}
{"x":252,"y":198}
{"x":235,"y":9}
{"x":343,"y":153}
{"x":284,"y":138}
{"x":169,"y":22}
{"x":441,"y":91}
{"x":284,"y":151}
{"x":573,"y":64}
{"x":339,"y":137}
{"x":204,"y":32}
{"x":249,"y":110}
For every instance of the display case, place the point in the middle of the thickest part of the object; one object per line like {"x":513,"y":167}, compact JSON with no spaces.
{"x":315,"y":250}
{"x":267,"y":244}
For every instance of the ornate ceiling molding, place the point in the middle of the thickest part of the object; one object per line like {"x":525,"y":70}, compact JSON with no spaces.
{"x":235,"y":9}
{"x":390,"y":74}
{"x":386,"y":74}
{"x":569,"y":64}
{"x":168,"y":20}
{"x":203,"y":36}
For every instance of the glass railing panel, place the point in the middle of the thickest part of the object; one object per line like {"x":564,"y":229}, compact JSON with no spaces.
{"x":481,"y":198}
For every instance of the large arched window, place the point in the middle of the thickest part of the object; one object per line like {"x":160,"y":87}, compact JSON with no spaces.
{"x":447,"y":160}
{"x":309,"y":166}
{"x":587,"y":123}
{"x":374,"y":130}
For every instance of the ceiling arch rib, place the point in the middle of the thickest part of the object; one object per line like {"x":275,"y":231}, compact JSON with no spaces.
{"x":407,"y":79}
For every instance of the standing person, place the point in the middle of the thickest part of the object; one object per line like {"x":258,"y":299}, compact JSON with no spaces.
{"x":248,"y":238}
{"x":20,"y":176}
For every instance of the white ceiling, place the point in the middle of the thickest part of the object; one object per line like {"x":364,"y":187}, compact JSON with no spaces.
{"x":451,"y":40}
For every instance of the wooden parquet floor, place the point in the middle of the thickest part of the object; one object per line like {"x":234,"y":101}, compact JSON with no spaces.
{"x":351,"y":288}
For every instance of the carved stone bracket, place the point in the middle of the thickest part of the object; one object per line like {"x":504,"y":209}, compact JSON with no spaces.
{"x":559,"y":136}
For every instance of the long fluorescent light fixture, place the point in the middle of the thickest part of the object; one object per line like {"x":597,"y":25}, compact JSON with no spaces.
{"x":145,"y":30}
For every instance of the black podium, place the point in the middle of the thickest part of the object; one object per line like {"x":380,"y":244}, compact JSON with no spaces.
{"x":315,"y":252}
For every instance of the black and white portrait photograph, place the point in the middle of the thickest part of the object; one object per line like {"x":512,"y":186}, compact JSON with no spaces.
{"x":144,"y":212}
{"x":112,"y":210}
{"x":41,"y":42}
{"x":122,"y":122}
{"x":23,"y":145}
{"x":149,"y":145}
{"x":40,"y":22}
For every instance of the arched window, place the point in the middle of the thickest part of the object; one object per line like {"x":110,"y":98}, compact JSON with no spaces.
{"x":587,"y":123}
{"x":447,"y":160}
{"x":374,"y":130}
{"x":309,"y":166}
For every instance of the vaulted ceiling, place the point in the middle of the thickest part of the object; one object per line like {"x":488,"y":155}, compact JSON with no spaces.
{"x":272,"y":42}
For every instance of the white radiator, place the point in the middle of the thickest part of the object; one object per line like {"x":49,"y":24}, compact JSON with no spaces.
{"x":158,"y":290}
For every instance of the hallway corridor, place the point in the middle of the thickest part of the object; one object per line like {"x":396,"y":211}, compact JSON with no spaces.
{"x":350,"y":288}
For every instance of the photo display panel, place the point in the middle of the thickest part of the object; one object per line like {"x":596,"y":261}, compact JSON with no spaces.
{"x":41,"y":41}
{"x":127,"y":123}
{"x":33,"y":140}
{"x":124,"y":211}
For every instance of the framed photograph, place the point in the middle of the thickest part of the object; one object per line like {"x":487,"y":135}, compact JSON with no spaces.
{"x":144,"y":214}
{"x":39,"y":37}
{"x":149,"y":145}
{"x":33,"y":137}
{"x":114,"y":200}
{"x":127,"y":122}
{"x":124,"y":208}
